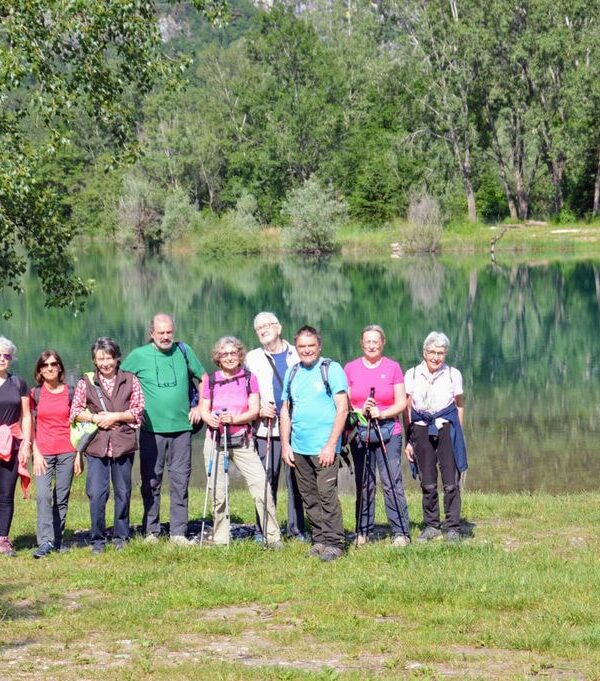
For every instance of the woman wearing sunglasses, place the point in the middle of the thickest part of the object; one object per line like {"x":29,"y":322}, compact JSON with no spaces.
{"x":54,"y":460}
{"x":15,"y":438}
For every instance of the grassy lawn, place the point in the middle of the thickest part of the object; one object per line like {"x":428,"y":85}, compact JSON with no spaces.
{"x":517,"y":600}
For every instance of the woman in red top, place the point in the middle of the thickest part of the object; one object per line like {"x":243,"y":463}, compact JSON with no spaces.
{"x":54,"y":460}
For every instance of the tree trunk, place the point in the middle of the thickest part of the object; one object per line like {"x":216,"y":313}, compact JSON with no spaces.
{"x":596,"y":204}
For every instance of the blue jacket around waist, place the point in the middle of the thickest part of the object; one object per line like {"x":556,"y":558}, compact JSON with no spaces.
{"x":456,"y":432}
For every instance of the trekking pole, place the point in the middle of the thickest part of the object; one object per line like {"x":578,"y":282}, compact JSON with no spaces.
{"x":267,"y":482}
{"x":226,"y":471}
{"x":211,"y":462}
{"x":359,"y":510}
{"x":389,"y":473}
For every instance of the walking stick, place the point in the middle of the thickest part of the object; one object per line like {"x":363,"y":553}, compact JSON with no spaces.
{"x":389,"y":472}
{"x":269,"y":456}
{"x":211,"y":462}
{"x":226,"y":471}
{"x":359,"y":510}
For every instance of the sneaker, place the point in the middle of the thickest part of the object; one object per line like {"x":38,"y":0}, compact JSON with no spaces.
{"x":258,"y":538}
{"x":151,"y":539}
{"x":98,"y":548}
{"x":119,"y":543}
{"x":303,"y":538}
{"x":362,"y":539}
{"x":275,"y":545}
{"x":330,"y":553}
{"x":453,"y":536}
{"x":44,"y":550}
{"x":400,"y":541}
{"x":316,"y":550}
{"x":430,"y":533}
{"x":180,"y":540}
{"x":6,"y":547}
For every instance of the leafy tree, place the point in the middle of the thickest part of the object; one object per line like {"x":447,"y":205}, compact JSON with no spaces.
{"x":61,"y":59}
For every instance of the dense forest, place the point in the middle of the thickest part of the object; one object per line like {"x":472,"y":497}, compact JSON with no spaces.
{"x":351,"y":110}
{"x":491,"y":107}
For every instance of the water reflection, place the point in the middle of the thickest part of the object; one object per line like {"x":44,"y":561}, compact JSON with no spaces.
{"x":525,"y":337}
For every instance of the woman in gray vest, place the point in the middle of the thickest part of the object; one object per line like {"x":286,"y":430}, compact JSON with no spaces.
{"x":113,"y":400}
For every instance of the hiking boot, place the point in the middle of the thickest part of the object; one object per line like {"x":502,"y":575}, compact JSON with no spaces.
{"x":362,"y":539}
{"x":6,"y":547}
{"x":180,"y":540}
{"x":330,"y":553}
{"x":400,"y":541}
{"x":119,"y":543}
{"x":44,"y":550}
{"x":275,"y":545}
{"x":430,"y":533}
{"x":453,"y":537}
{"x":151,"y":539}
{"x":316,"y":550}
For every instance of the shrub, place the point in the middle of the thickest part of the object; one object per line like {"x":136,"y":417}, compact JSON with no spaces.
{"x":313,"y":216}
{"x":425,"y":225}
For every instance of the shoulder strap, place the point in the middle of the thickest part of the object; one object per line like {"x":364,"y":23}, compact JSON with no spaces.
{"x":90,"y":376}
{"x":71,"y":391}
{"x":212,"y":381}
{"x":181,"y":346}
{"x":275,"y":372}
{"x":36,"y":395}
{"x":293,"y":372}
{"x":325,"y":374}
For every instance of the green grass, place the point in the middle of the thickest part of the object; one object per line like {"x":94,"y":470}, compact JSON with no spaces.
{"x":517,"y":600}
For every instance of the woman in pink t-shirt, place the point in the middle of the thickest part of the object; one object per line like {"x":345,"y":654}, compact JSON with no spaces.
{"x":376,"y":389}
{"x":54,"y":460}
{"x":229,"y":404}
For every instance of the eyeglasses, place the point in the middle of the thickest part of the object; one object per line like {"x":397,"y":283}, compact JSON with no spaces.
{"x":49,"y":365}
{"x":5,"y":355}
{"x":231,"y":353}
{"x":436,"y":353}
{"x":264,"y":327}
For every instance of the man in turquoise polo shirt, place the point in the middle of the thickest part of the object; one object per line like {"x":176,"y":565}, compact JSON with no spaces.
{"x":166,"y":434}
{"x":312,"y":419}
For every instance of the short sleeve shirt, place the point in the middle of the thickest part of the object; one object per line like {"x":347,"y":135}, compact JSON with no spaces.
{"x":52,"y":421}
{"x":232,"y":395}
{"x":361,"y":378}
{"x":165,"y":384}
{"x":314,"y":411}
{"x":11,"y":392}
{"x":431,"y":393}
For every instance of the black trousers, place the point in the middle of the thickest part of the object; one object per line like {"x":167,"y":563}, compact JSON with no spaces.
{"x":433,"y":452}
{"x":8,"y":482}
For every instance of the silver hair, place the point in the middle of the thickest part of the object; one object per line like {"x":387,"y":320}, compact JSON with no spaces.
{"x":6,"y":344}
{"x":436,"y":338}
{"x":267,"y":316}
{"x":373,"y":327}
{"x":152,"y":321}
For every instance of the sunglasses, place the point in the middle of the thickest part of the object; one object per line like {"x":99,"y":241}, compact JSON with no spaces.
{"x":6,"y":356}
{"x":49,"y":365}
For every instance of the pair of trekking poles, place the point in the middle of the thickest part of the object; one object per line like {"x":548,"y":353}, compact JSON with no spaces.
{"x":213,"y":463}
{"x":374,"y":422}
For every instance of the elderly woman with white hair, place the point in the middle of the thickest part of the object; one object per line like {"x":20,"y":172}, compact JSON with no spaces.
{"x":15,"y":438}
{"x":435,"y":435}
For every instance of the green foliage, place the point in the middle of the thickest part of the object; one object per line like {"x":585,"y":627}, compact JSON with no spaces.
{"x":314,"y":213}
{"x":62,"y":60}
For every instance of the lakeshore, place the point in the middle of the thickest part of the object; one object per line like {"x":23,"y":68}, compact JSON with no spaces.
{"x":517,"y":599}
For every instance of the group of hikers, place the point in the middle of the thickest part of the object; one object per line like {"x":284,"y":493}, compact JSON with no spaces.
{"x":280,"y":403}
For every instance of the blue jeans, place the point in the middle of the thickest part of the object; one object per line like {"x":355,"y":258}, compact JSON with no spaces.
{"x":396,"y":507}
{"x":51,"y":503}
{"x":101,"y":469}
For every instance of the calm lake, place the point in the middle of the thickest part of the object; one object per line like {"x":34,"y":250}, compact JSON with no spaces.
{"x":526,"y":337}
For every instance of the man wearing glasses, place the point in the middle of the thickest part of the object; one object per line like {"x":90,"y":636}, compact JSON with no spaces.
{"x":165,"y":371}
{"x":269,"y":364}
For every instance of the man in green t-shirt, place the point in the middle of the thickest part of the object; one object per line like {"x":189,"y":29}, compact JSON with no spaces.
{"x":166,"y":434}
